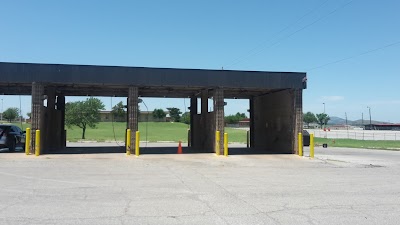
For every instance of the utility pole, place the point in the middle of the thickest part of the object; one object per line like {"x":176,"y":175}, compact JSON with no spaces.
{"x":370,"y":121}
{"x":347,"y":127}
{"x":362,"y":119}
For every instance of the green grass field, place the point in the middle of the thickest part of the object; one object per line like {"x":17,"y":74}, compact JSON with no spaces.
{"x":152,"y":131}
{"x":164,"y":131}
{"x":350,"y":143}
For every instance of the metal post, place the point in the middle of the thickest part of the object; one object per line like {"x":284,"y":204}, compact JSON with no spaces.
{"x":300,"y":139}
{"x":137,"y":144}
{"x":248,"y":139}
{"x":27,"y":141}
{"x":311,"y":145}
{"x":347,"y":127}
{"x":189,"y":138}
{"x":217,"y":140}
{"x":128,"y":141}
{"x":362,"y":119}
{"x":370,"y":120}
{"x":37,"y":143}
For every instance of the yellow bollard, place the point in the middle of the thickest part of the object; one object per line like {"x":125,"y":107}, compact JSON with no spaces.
{"x":217,"y":140}
{"x":37,"y":143}
{"x":27,"y":141}
{"x":137,"y":144}
{"x":311,"y":145}
{"x":128,"y":141}
{"x":300,"y":137}
{"x":225,"y":144}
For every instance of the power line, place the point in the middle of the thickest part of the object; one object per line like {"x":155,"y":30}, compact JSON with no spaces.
{"x":238,"y":59}
{"x":293,"y":33}
{"x":354,"y":56}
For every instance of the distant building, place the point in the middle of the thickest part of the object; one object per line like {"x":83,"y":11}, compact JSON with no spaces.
{"x":340,"y":127}
{"x":144,"y":116}
{"x":311,"y":126}
{"x":382,"y":127}
{"x":244,"y":122}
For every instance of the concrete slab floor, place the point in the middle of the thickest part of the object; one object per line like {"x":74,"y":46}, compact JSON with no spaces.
{"x":339,"y":186}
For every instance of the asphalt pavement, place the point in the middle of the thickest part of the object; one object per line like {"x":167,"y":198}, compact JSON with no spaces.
{"x":339,"y":186}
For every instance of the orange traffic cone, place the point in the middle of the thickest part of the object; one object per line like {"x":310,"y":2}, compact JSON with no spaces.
{"x":180,"y":148}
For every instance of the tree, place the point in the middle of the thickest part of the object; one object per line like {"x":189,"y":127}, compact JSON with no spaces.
{"x":322,"y":119}
{"x":233,"y":119}
{"x":159,"y":114}
{"x":83,"y":114}
{"x":29,"y":115}
{"x":11,"y":114}
{"x":175,"y":114}
{"x":118,"y":111}
{"x":309,"y":117}
{"x":185,"y":118}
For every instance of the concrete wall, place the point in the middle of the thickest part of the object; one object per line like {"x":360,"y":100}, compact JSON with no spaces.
{"x":204,"y":132}
{"x":274,"y":122}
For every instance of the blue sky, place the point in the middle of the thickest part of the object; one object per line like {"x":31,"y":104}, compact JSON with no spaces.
{"x":276,"y":35}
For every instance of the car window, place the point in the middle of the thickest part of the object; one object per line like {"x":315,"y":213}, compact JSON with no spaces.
{"x":4,"y":128}
{"x":15,"y":129}
{"x":19,"y":130}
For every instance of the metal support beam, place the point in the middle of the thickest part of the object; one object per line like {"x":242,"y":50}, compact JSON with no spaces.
{"x":193,"y":112}
{"x":252,"y":115}
{"x":61,"y":107}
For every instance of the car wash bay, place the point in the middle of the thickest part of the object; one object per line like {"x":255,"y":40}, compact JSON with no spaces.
{"x":275,"y":99}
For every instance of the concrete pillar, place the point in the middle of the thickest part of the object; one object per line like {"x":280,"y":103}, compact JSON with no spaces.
{"x":275,"y":123}
{"x":133,"y":101}
{"x":203,"y":130}
{"x":50,"y":128}
{"x":219,"y":123}
{"x":37,"y":109}
{"x":193,"y":113}
{"x":298,"y":117}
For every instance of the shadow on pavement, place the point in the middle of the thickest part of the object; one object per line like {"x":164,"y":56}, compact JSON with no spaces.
{"x":157,"y":150}
{"x":253,"y":151}
{"x":17,"y":150}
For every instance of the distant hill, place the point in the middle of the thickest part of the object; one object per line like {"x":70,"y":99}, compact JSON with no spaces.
{"x":339,"y":121}
{"x":336,"y":120}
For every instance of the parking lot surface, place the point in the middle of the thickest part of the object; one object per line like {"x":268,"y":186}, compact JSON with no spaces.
{"x":339,"y":186}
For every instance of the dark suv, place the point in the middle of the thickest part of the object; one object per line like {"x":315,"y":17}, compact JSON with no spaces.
{"x":306,"y":138}
{"x":11,"y":137}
